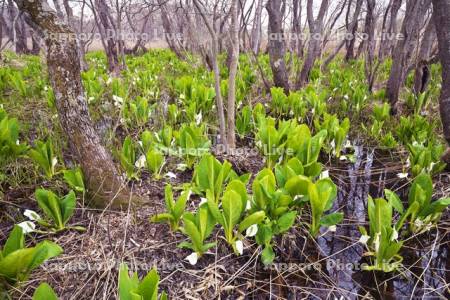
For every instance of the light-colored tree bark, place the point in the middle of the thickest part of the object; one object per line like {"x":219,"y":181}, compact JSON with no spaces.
{"x":234,"y":57}
{"x":314,"y":46}
{"x":422,"y":72}
{"x":105,"y":187}
{"x":256,"y":28}
{"x":215,"y":65}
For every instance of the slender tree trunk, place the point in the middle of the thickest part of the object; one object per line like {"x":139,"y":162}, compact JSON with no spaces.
{"x":315,"y":41}
{"x":389,"y":44}
{"x":442,"y":22}
{"x":422,"y":72}
{"x":277,"y":44}
{"x":215,"y":65}
{"x":297,"y":45}
{"x":352,"y":29}
{"x":231,"y":110}
{"x":107,"y":31}
{"x":415,"y":13}
{"x":256,"y":29}
{"x":17,"y":35}
{"x":102,"y":178}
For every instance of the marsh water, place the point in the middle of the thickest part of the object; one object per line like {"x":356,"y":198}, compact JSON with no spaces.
{"x":425,"y":271}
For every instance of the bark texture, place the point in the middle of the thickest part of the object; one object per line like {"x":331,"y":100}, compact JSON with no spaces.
{"x":442,"y":22}
{"x":105,"y":187}
{"x":234,"y":56}
{"x":277,"y":44}
{"x":422,"y":73}
{"x":412,"y":23}
{"x":256,"y":29}
{"x":315,"y":40}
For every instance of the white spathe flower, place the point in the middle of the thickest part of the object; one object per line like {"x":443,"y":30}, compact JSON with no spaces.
{"x":418,"y":223}
{"x":32,"y":215}
{"x":408,"y":163}
{"x":192,"y":258}
{"x":202,"y":201}
{"x":348,"y":144}
{"x":140,"y":163}
{"x":109,"y":81}
{"x":332,"y":228}
{"x":346,"y":97}
{"x":171,"y":175}
{"x":325,"y":174}
{"x":248,"y":205}
{"x":376,"y":242}
{"x":27,"y":226}
{"x":333,"y":144}
{"x":117,"y":99}
{"x":17,"y":142}
{"x":251,"y":231}
{"x":181,"y":167}
{"x":364,"y":239}
{"x":54,"y":162}
{"x":198,"y":118}
{"x":402,"y":175}
{"x":394,"y":236}
{"x":239,"y":247}
{"x":343,"y":158}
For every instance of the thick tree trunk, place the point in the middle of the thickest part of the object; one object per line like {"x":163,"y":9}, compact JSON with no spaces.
{"x":256,"y":29}
{"x":422,"y":73}
{"x":105,"y":187}
{"x":442,"y":22}
{"x":277,"y":44}
{"x":234,"y":51}
{"x":315,"y":41}
{"x":415,"y":13}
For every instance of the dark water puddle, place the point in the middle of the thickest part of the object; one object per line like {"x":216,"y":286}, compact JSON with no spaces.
{"x":425,"y":257}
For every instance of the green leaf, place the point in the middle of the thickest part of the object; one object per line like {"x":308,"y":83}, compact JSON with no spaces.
{"x":286,"y":221}
{"x":44,"y":292}
{"x":331,"y":219}
{"x":148,"y":288}
{"x":267,"y":255}
{"x":68,"y":204}
{"x":252,"y":219}
{"x":394,"y":200}
{"x":14,"y":242}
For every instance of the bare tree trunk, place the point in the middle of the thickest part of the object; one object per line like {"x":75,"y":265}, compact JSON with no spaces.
{"x":422,"y":73}
{"x":231,"y":110}
{"x":389,"y":43}
{"x":102,"y":178}
{"x":169,"y":32}
{"x":107,"y":31}
{"x":18,"y":35}
{"x":352,"y":29}
{"x":415,"y":13}
{"x":297,"y":45}
{"x":442,"y":22}
{"x":256,"y":29}
{"x":370,"y":44}
{"x":315,"y":41}
{"x":277,"y":44}
{"x":215,"y":65}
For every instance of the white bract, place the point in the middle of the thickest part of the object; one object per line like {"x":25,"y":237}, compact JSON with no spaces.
{"x":140,"y":163}
{"x":364,"y":239}
{"x":31,"y":215}
{"x":239,"y":247}
{"x":27,"y":226}
{"x":192,"y":258}
{"x":251,"y":231}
